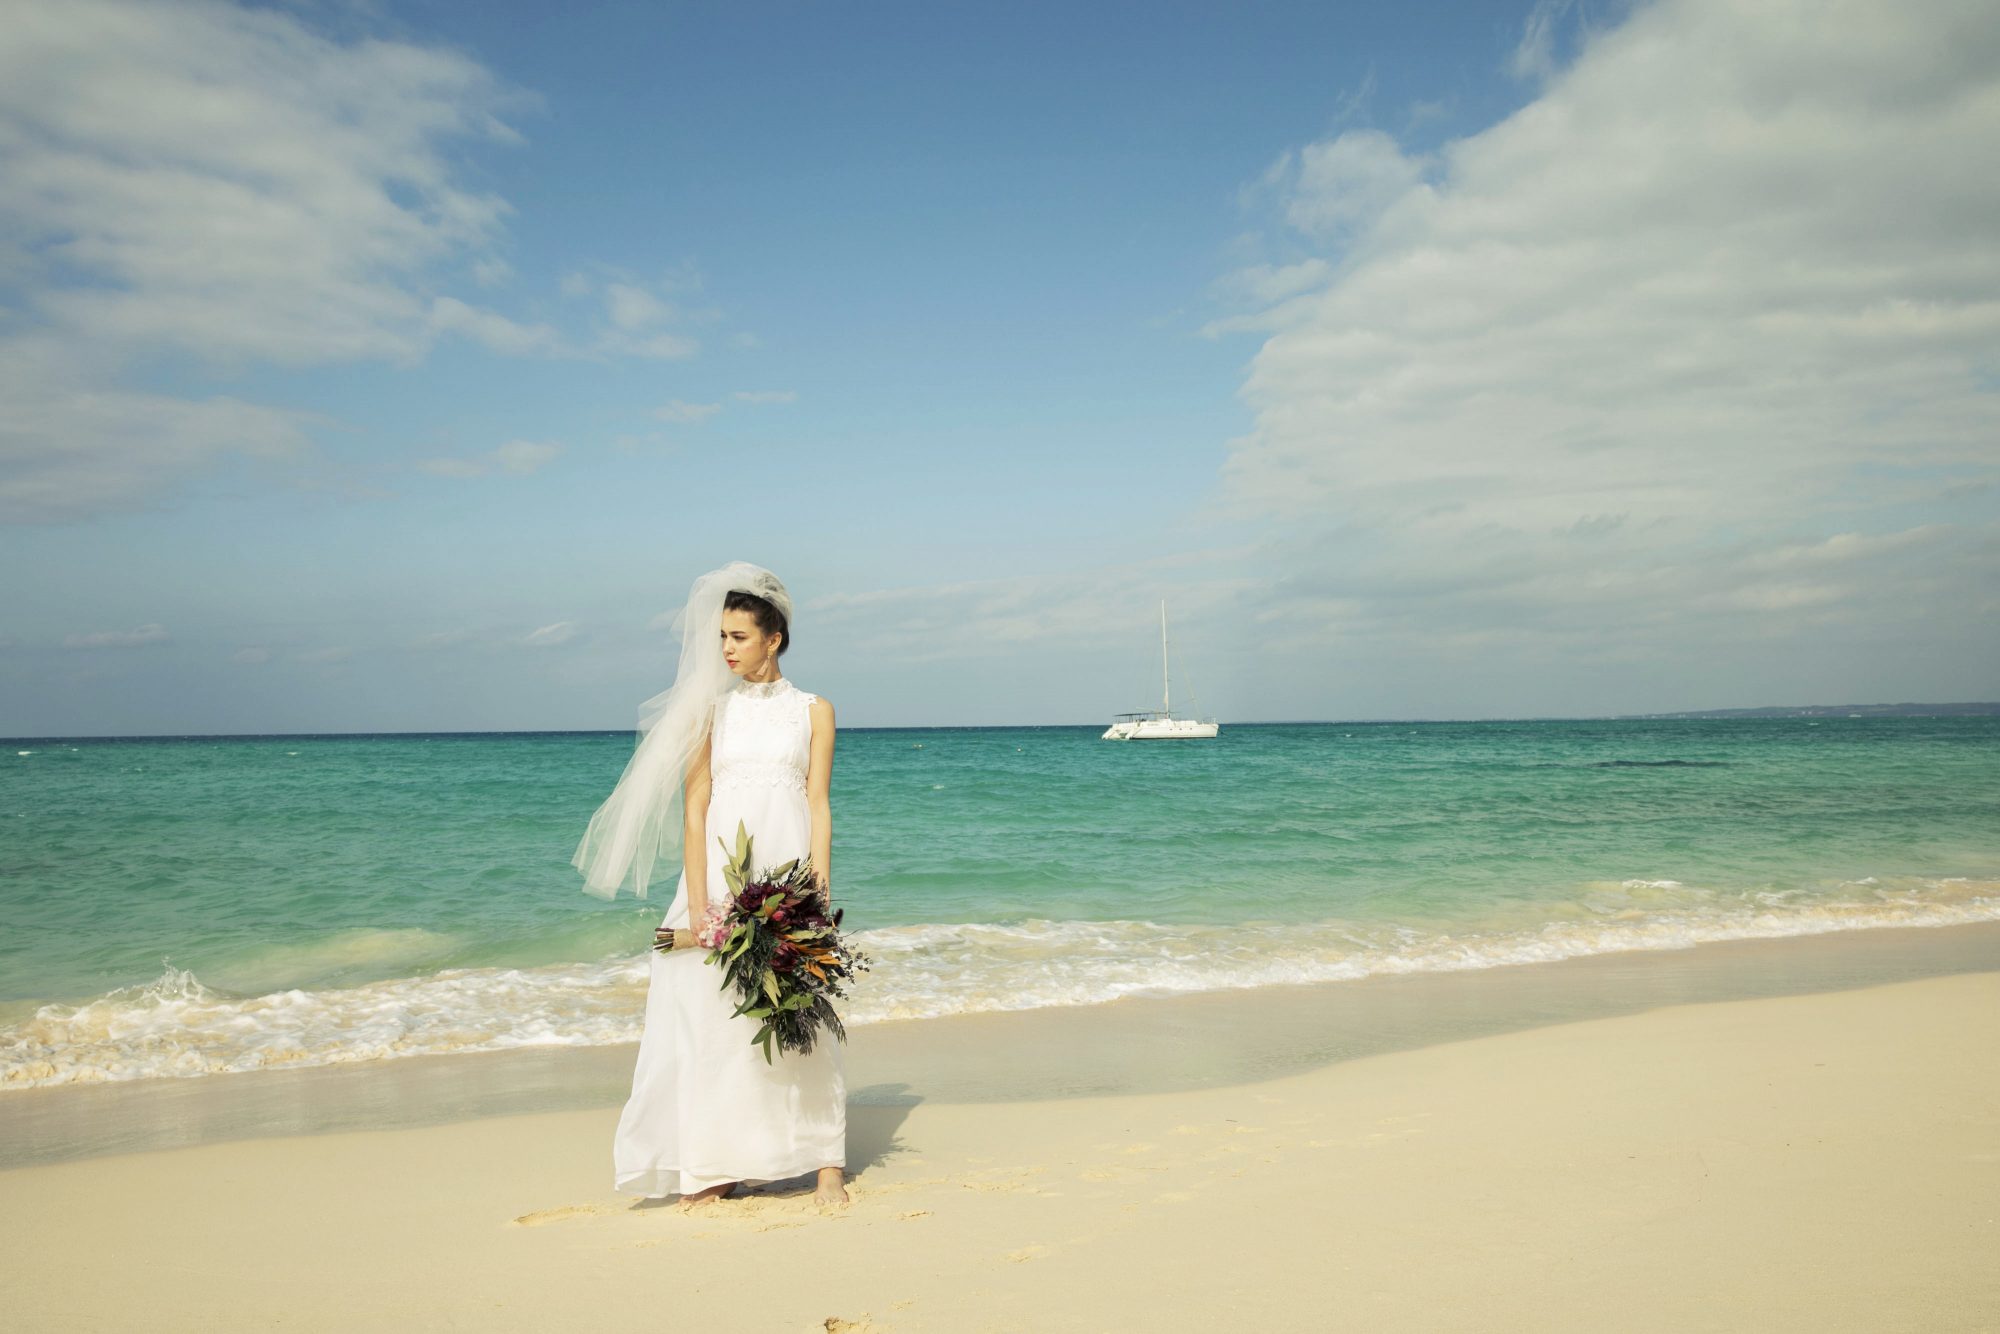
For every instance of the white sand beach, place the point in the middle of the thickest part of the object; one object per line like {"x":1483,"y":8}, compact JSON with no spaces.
{"x":1815,"y":1162}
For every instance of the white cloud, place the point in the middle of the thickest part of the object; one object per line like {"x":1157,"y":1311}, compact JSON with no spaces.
{"x":976,"y":619}
{"x":1334,"y":188}
{"x":251,"y":655}
{"x":635,"y":315}
{"x":1423,"y":112}
{"x":516,"y":457}
{"x":495,"y":331}
{"x":766,"y":396}
{"x":324,"y":655}
{"x":1722,"y":303}
{"x":630,"y":307}
{"x":1535,"y":55}
{"x":228,"y":182}
{"x":135,"y":638}
{"x":521,"y":457}
{"x":678,"y":411}
{"x":547,"y":636}
{"x":73,"y":444}
{"x":659,"y":346}
{"x":491,"y":271}
{"x":1264,"y":284}
{"x":224,"y":186}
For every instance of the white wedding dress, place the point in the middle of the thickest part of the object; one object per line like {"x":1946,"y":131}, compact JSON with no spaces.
{"x":705,"y":1108}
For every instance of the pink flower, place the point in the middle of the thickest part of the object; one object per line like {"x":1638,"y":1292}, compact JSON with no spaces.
{"x":714,"y":928}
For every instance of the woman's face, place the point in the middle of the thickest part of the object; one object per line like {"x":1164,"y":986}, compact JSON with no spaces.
{"x":746,"y":647}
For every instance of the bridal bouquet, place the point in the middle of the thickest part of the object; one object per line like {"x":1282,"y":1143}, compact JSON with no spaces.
{"x":777,"y":946}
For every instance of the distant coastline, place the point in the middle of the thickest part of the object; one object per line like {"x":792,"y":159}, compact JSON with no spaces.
{"x":1970,"y":710}
{"x":1974,"y":710}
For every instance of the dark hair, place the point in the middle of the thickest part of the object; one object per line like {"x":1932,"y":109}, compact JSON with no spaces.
{"x":769,"y":619}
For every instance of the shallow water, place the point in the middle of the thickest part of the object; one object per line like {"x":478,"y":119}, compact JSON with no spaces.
{"x":185,"y":906}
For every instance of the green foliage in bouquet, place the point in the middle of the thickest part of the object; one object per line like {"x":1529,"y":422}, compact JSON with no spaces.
{"x":783,"y":953}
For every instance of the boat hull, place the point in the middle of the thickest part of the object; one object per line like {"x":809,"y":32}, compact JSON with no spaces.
{"x":1159,"y":729}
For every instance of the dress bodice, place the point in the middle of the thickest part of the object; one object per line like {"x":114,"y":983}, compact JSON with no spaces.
{"x":762,"y":736}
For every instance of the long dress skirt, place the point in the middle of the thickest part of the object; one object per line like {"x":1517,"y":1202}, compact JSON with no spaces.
{"x":705,"y":1107}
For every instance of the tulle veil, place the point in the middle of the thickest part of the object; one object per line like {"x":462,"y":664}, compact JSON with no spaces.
{"x":642,"y":817}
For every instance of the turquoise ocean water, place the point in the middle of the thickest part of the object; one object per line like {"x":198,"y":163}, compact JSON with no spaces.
{"x":188,"y":906}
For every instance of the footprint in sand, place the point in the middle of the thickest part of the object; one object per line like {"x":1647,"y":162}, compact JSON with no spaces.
{"x":895,"y":1187}
{"x":775,"y":1225}
{"x":998,"y":1178}
{"x":1398,"y":1133}
{"x":561,"y":1215}
{"x":1027,"y":1253}
{"x":915,"y":1213}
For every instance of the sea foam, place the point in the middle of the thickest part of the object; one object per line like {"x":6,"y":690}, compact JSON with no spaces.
{"x":175,"y":1026}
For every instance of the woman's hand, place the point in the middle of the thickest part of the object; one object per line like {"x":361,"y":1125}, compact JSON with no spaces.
{"x":683,"y":938}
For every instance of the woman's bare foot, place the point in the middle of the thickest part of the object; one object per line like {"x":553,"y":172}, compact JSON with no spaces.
{"x":830,"y":1190}
{"x":712,"y":1193}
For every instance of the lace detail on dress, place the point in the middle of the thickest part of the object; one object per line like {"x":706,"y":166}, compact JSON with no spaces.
{"x":763,"y":736}
{"x":759,"y":773}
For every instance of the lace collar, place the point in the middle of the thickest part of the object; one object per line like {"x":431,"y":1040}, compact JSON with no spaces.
{"x":763,"y":689}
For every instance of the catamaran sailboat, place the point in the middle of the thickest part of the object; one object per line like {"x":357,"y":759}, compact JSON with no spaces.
{"x":1159,"y":725}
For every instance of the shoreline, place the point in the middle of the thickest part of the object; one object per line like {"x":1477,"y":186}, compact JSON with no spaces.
{"x":1135,"y":1045}
{"x":1826,"y":1161}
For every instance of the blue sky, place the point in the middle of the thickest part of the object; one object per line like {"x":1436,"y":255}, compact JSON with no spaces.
{"x":398,"y":366}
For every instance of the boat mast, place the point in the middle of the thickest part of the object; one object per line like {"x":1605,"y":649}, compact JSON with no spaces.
{"x":1166,"y":694}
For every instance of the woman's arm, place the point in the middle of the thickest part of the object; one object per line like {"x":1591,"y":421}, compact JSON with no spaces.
{"x":694,"y":834}
{"x":819,"y":785}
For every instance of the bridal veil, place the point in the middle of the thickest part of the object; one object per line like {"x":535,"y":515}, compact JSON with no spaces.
{"x":642,"y":816}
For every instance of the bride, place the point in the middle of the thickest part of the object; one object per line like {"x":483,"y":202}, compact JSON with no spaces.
{"x":731,"y":740}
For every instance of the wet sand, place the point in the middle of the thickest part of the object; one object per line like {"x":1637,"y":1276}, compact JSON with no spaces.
{"x":1134,"y":1045}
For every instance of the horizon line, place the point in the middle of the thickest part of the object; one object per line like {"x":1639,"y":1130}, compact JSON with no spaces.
{"x":1667,"y":716}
